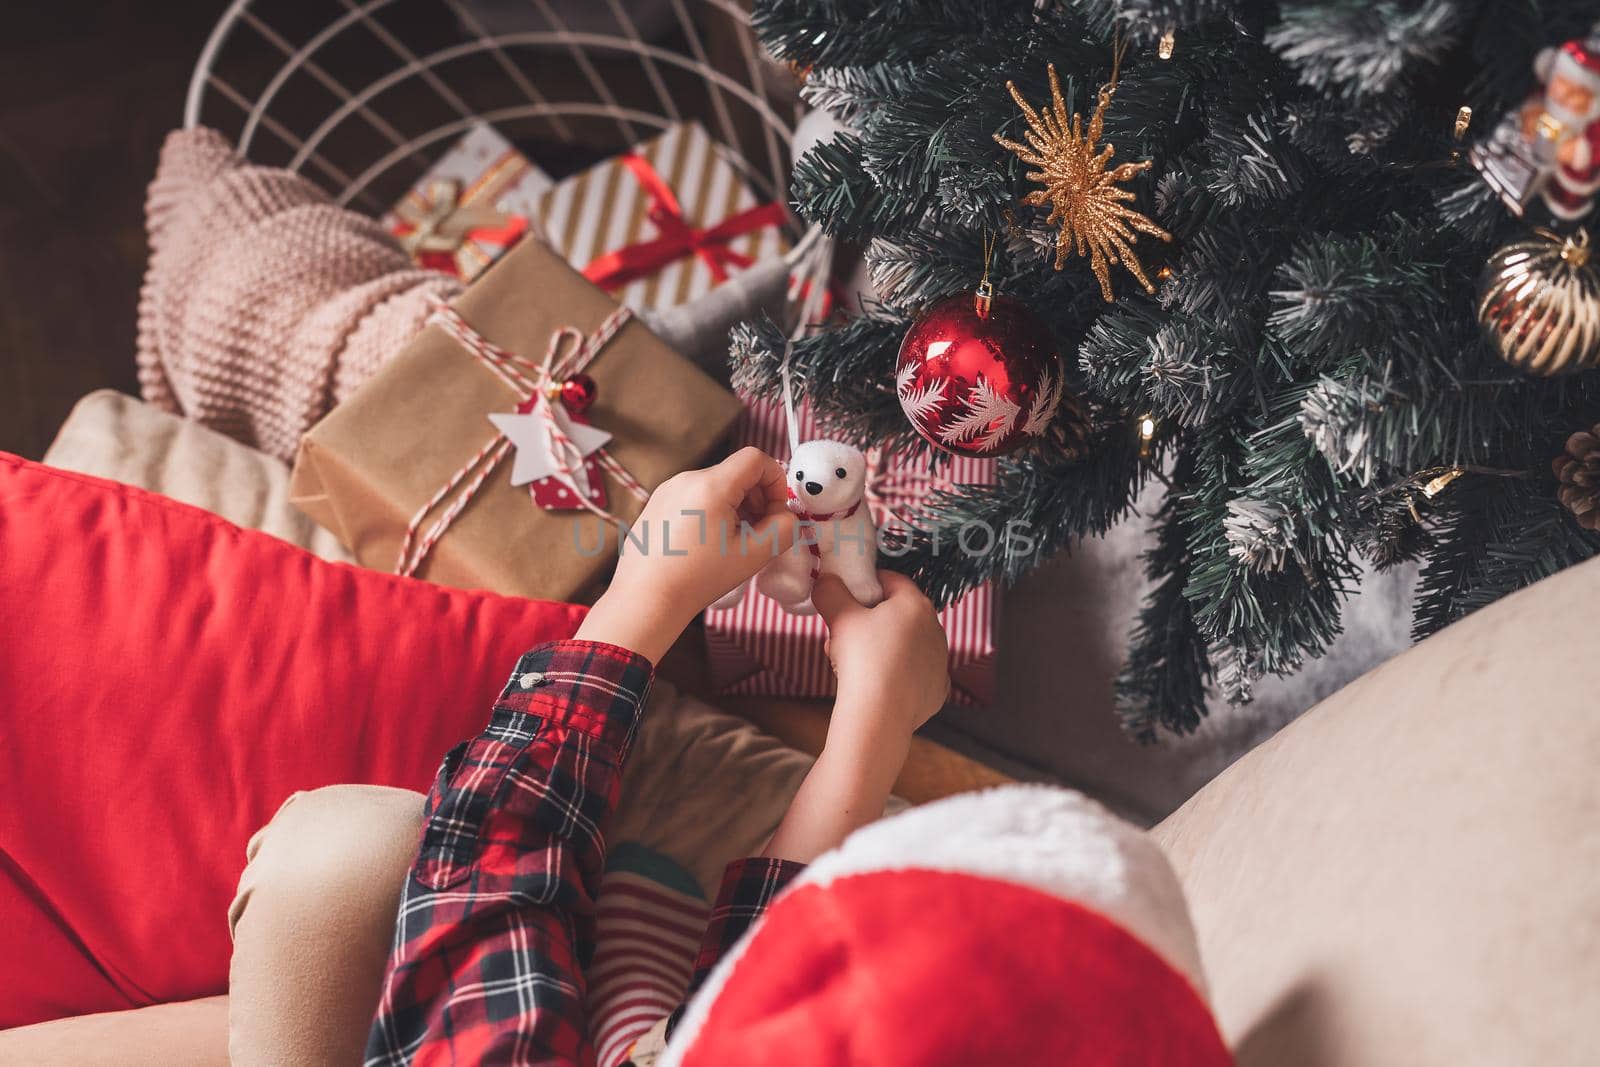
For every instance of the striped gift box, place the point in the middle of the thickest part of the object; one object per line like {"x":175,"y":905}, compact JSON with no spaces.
{"x":758,"y":649}
{"x":606,"y":209}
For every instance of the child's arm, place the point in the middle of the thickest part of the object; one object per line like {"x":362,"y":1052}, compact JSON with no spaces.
{"x":893,"y":672}
{"x":891,"y":662}
{"x":484,"y":967}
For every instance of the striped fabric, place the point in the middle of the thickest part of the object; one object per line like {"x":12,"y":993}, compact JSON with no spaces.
{"x":646,"y":936}
{"x":758,"y":649}
{"x":604,"y":209}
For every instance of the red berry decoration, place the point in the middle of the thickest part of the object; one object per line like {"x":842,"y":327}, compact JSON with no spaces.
{"x":577,"y":393}
{"x":979,"y":375}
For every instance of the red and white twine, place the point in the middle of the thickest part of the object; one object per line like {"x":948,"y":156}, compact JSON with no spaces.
{"x":568,"y":353}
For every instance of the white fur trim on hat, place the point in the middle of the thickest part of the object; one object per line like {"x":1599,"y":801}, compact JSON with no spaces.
{"x":1051,"y":839}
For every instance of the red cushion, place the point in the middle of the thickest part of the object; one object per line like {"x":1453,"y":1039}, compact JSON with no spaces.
{"x":166,"y":680}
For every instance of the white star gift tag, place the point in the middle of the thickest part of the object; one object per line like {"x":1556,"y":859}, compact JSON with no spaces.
{"x":530,"y":435}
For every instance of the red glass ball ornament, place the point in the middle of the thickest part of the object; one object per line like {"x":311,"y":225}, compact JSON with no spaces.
{"x":979,"y":375}
{"x":577,"y":393}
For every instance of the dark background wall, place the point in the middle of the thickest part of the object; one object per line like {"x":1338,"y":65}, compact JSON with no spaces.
{"x":87,"y":91}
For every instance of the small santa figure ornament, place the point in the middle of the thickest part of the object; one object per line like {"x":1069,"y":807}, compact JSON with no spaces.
{"x":1550,"y":147}
{"x":827,"y":489}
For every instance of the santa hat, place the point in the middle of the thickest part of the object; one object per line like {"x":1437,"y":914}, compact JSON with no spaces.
{"x":1022,"y":925}
{"x":1578,"y":58}
{"x":1585,"y":54}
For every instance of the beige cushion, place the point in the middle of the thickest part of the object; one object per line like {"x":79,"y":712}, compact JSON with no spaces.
{"x":1410,"y":873}
{"x":191,"y":1034}
{"x":113,"y":435}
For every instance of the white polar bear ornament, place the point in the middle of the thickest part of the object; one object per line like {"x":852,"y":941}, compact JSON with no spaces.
{"x":827,"y":486}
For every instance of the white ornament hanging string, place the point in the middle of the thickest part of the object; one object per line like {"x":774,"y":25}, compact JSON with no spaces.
{"x":809,"y":285}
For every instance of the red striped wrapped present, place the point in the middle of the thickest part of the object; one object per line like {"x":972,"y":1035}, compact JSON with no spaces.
{"x":758,"y":649}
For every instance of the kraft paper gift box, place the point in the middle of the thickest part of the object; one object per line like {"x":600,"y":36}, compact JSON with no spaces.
{"x":757,"y":649}
{"x":373,"y":463}
{"x":479,"y":199}
{"x":662,"y":224}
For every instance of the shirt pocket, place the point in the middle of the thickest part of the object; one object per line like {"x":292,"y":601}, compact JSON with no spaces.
{"x":469,"y":784}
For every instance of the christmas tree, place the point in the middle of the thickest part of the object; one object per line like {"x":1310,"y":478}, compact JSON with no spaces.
{"x":1308,"y":380}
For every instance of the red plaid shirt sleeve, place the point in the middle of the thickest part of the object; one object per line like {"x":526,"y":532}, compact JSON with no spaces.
{"x":749,"y":887}
{"x":498,"y":909}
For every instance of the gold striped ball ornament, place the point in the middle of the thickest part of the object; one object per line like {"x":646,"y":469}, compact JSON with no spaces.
{"x":1539,"y":303}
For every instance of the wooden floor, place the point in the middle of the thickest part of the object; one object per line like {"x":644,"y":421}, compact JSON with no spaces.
{"x":87,"y":91}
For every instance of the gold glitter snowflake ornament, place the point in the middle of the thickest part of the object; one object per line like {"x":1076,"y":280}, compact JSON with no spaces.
{"x":1082,"y":194}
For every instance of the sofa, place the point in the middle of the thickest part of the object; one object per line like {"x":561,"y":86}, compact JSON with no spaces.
{"x":1408,"y":874}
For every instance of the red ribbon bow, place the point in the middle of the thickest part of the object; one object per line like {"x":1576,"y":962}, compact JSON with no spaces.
{"x":676,"y":238}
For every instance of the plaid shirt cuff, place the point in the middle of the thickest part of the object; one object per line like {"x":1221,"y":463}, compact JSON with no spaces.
{"x":587,"y":686}
{"x":749,"y":886}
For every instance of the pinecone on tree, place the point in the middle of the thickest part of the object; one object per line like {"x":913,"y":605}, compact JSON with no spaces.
{"x":1578,"y":471}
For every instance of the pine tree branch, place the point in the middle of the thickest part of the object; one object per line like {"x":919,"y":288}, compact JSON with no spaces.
{"x":1497,"y":535}
{"x":1364,"y":49}
{"x":1163,"y":683}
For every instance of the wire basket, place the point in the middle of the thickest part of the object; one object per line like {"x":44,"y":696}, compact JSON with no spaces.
{"x":362,"y":95}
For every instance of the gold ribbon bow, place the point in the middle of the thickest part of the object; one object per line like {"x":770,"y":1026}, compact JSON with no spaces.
{"x":440,"y":217}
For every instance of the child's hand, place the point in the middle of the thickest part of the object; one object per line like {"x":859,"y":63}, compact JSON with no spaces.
{"x":892,"y":660}
{"x":689,"y":546}
{"x":702,"y":533}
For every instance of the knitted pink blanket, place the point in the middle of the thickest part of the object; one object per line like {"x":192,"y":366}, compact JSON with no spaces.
{"x":264,"y":305}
